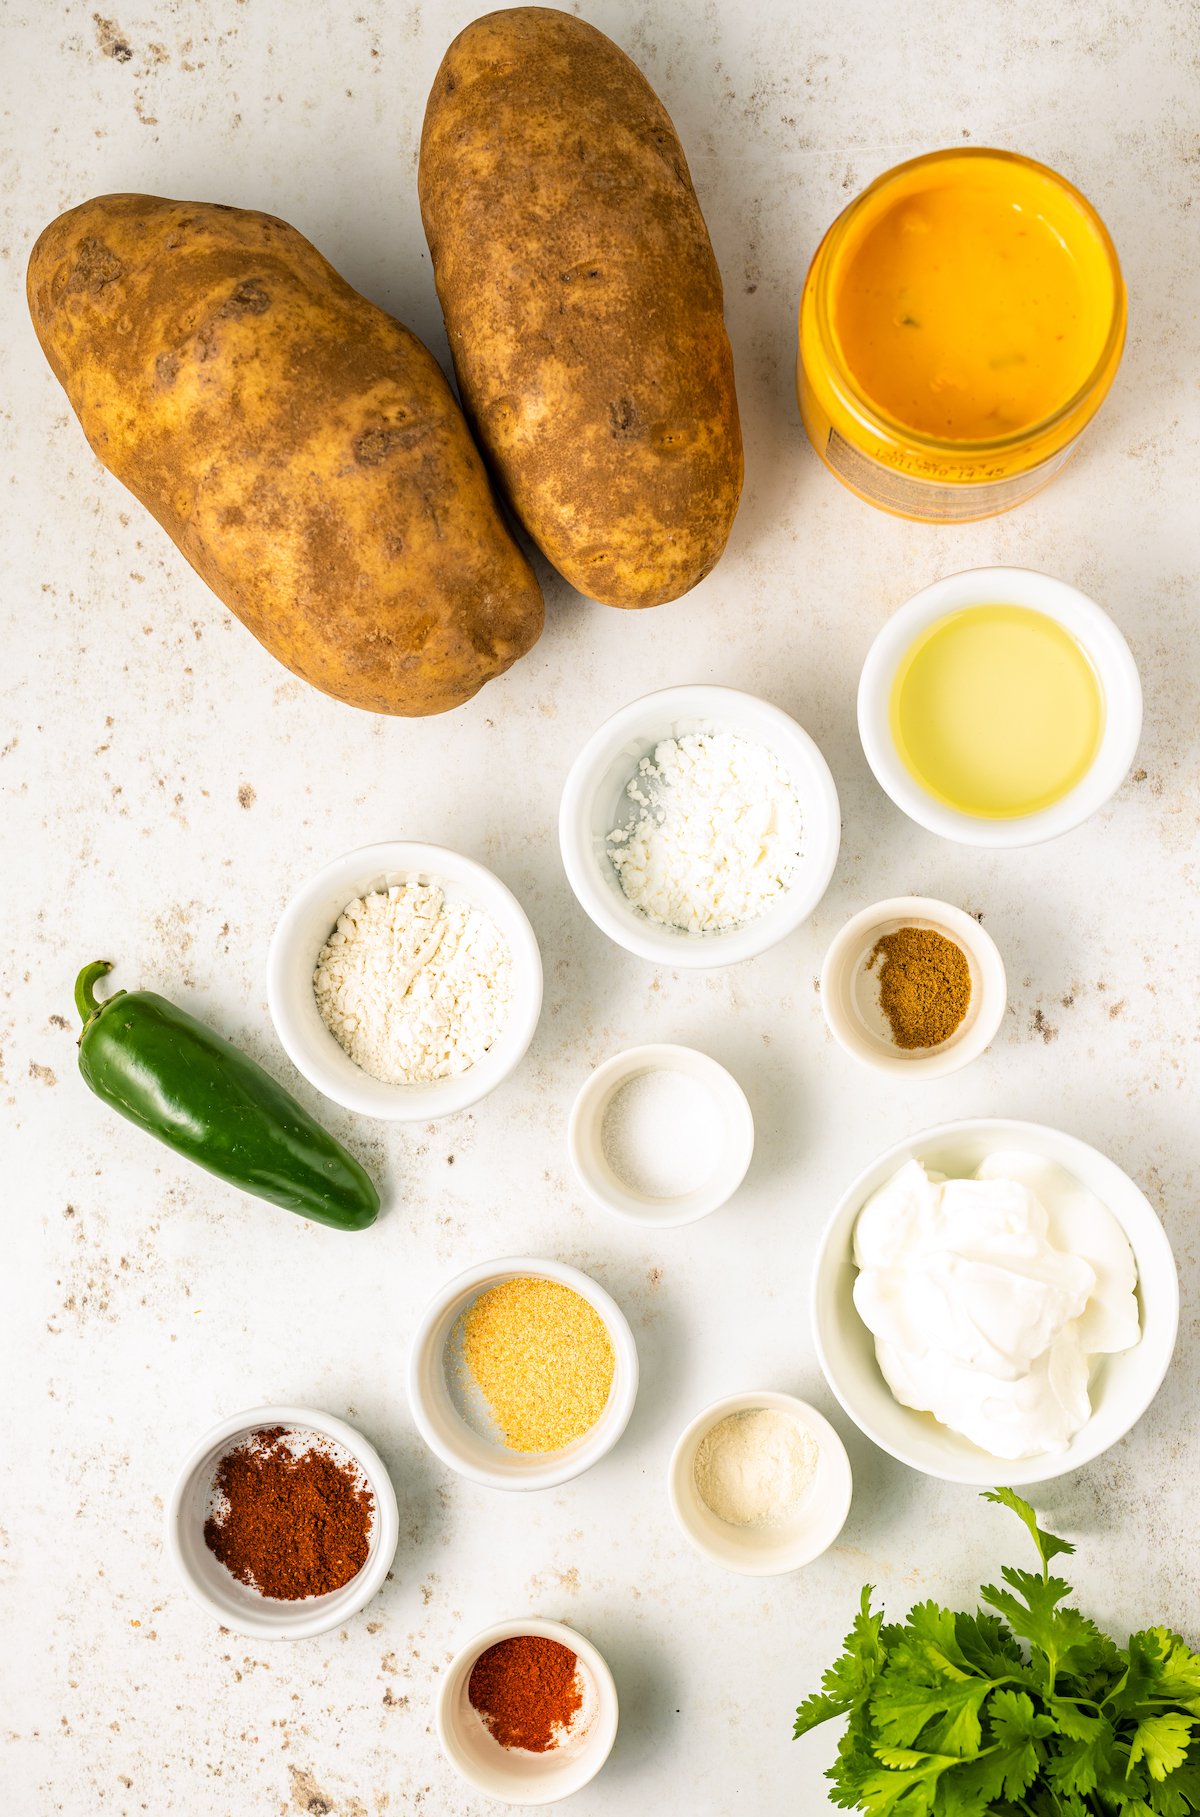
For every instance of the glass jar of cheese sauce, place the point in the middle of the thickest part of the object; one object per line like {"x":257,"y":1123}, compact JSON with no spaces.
{"x":961,"y":323}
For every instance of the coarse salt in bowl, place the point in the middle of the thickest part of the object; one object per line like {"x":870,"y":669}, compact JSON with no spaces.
{"x":304,"y":928}
{"x":722,"y":1154}
{"x":594,"y":804}
{"x":444,"y":1407}
{"x":515,"y":1775}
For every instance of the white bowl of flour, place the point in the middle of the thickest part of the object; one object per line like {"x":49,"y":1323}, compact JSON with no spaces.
{"x":699,"y":826}
{"x":405,"y":981}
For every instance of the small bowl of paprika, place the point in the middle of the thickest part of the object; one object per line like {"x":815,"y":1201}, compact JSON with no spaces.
{"x":282,"y":1522}
{"x":527,"y":1712}
{"x":914,"y":986}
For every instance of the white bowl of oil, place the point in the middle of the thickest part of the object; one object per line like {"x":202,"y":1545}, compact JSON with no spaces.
{"x":1000,"y":707}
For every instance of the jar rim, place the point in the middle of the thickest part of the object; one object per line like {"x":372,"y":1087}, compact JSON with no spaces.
{"x":878,"y":422}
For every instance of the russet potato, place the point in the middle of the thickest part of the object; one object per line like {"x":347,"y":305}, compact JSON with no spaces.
{"x":583,"y":303}
{"x":302,"y":448}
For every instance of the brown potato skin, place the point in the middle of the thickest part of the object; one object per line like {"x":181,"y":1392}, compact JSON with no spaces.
{"x":301,"y":446}
{"x":583,"y":304}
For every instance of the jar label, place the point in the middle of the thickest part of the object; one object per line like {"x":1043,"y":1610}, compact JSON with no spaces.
{"x":909,"y":495}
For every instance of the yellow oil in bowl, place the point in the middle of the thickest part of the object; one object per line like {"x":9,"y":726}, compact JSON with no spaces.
{"x":997,"y":711}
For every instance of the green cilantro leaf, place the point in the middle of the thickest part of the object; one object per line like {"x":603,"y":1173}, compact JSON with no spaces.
{"x":849,"y":1679}
{"x":1069,"y":1642}
{"x":905,"y":1791}
{"x":987,"y":1645}
{"x":1048,"y":1544}
{"x":1162,"y":1741}
{"x":1160,"y":1667}
{"x":1081,"y":1762}
{"x":901,"y":1710}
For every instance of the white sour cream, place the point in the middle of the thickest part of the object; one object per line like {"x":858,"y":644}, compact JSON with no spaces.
{"x":989,"y":1297}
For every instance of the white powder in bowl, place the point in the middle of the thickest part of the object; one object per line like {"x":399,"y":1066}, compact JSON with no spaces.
{"x":715,"y":835}
{"x":661,"y":1133}
{"x":753,"y":1469}
{"x":414,"y":988}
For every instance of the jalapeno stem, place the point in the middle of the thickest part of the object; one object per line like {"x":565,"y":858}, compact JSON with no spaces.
{"x":85,"y":989}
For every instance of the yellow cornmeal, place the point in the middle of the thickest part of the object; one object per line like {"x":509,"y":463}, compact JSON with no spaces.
{"x":543,"y":1360}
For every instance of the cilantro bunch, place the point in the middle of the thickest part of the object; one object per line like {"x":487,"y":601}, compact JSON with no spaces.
{"x":950,"y":1715}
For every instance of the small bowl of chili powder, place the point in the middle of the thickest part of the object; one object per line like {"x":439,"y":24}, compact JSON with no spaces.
{"x":914,"y":986}
{"x":282,"y":1522}
{"x":527,"y":1712}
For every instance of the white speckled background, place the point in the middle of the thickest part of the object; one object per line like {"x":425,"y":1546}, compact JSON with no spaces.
{"x":166,"y":786}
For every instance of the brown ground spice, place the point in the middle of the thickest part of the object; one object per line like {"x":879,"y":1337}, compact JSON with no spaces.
{"x":526,"y":1691}
{"x":924,"y":985}
{"x":295,"y":1524}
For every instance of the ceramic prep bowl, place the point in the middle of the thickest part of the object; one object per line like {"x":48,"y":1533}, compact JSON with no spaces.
{"x":586,"y":1127}
{"x":850,"y":993}
{"x":443,"y":1423}
{"x":1122,"y":1386}
{"x":217,"y":1591}
{"x":516,"y":1776}
{"x":594,"y":802}
{"x":763,"y":1551}
{"x":308,"y":921}
{"x":1090,"y":626}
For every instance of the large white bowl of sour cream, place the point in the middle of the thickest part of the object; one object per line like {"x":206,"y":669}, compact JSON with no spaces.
{"x":998,"y":1279}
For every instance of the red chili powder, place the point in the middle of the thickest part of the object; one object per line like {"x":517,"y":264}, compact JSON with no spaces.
{"x":526,"y":1691}
{"x":295,"y":1524}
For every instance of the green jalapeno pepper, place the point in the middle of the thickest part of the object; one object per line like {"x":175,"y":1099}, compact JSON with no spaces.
{"x":211,"y":1103}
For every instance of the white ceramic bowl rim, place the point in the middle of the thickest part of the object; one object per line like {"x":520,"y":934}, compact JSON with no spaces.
{"x":308,"y":920}
{"x":989,"y":987}
{"x":584,"y":1132}
{"x":1124,"y":1385}
{"x":447,"y":1434}
{"x":517,"y":1777}
{"x":591,"y":807}
{"x":758,"y":1553}
{"x":218,"y":1593}
{"x":1087,"y":622}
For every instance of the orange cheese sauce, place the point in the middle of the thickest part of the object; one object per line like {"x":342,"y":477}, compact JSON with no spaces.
{"x":973,"y":300}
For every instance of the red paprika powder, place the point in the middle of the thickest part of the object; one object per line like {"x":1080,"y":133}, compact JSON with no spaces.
{"x":526,"y":1691}
{"x":290,"y":1523}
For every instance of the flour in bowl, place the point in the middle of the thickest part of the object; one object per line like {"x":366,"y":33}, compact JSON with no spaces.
{"x":414,"y":988}
{"x":715,"y":836}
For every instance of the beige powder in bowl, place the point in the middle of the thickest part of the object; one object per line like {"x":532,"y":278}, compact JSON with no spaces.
{"x":753,"y":1469}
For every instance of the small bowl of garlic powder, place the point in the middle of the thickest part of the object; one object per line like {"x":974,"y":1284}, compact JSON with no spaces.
{"x":760,"y":1483}
{"x":405,"y":981}
{"x":699,"y":826}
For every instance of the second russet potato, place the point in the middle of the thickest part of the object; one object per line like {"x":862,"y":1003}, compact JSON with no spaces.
{"x":583,"y":304}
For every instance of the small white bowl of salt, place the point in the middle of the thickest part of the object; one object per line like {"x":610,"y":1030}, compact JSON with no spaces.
{"x":760,"y":1483}
{"x":661,"y":1134}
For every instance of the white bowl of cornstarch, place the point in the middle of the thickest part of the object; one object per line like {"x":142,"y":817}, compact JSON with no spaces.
{"x":405,"y":981}
{"x":699,"y":826}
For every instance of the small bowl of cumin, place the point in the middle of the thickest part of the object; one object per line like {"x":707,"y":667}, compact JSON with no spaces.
{"x":915,"y":986}
{"x":282,"y":1522}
